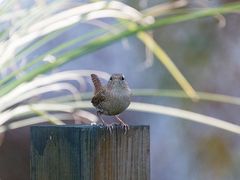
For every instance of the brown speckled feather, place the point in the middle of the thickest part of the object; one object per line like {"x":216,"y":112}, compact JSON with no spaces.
{"x":96,"y":82}
{"x":98,"y":98}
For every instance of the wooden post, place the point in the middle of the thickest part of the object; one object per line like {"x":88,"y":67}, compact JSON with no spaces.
{"x":72,"y":152}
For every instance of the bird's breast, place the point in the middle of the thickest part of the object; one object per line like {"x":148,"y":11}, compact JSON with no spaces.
{"x":116,"y":102}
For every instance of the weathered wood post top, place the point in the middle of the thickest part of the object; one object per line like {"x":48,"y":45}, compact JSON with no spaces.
{"x":84,"y":152}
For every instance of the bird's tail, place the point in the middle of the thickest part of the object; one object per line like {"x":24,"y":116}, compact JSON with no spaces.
{"x":96,"y":82}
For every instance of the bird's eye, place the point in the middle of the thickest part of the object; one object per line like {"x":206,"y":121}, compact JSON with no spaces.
{"x":123,"y":78}
{"x":111,"y":78}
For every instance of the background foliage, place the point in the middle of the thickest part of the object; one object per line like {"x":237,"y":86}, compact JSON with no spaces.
{"x":184,"y":52}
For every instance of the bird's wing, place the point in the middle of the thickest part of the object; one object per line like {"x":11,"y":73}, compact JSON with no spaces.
{"x":99,"y":97}
{"x":96,"y":82}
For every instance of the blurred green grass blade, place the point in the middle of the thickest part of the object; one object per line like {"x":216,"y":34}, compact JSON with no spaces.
{"x":29,"y":49}
{"x":108,"y":39}
{"x":155,"y":109}
{"x":164,"y":8}
{"x":27,"y":122}
{"x":6,"y":5}
{"x":168,"y":63}
{"x":2,"y":34}
{"x":171,"y":93}
{"x":21,"y":25}
{"x":50,"y":118}
{"x":92,"y":46}
{"x":170,"y":111}
{"x":228,"y":8}
{"x":187,"y":115}
{"x":38,"y":43}
{"x":162,"y":56}
{"x":55,"y":50}
{"x":203,"y":96}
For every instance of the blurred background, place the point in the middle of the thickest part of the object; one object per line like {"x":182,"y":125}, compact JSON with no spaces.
{"x":48,"y":49}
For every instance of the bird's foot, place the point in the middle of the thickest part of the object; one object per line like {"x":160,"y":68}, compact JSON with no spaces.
{"x":123,"y":124}
{"x":125,"y":127}
{"x":109,"y":127}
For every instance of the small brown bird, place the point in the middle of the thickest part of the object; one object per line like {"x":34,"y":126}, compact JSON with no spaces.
{"x":111,"y":99}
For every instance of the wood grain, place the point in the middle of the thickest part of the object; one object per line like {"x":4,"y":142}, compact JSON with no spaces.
{"x":89,"y":153}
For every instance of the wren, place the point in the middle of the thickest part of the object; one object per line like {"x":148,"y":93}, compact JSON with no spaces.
{"x":111,"y":99}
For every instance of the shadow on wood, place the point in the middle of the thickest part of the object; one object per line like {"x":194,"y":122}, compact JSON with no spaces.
{"x":89,"y":153}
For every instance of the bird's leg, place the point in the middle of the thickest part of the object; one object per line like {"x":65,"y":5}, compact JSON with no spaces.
{"x":125,"y":126}
{"x":109,"y":126}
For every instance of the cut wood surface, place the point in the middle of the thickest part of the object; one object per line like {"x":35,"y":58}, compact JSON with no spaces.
{"x":81,"y":152}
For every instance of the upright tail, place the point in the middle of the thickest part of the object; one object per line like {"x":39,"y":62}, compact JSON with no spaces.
{"x":96,"y":82}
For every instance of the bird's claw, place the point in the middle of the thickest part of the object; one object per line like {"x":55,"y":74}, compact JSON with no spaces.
{"x":125,"y":127}
{"x":109,"y":127}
